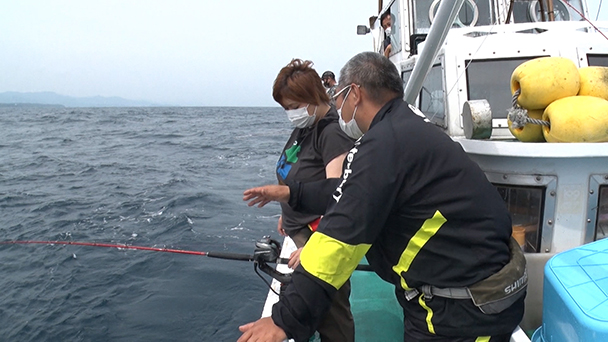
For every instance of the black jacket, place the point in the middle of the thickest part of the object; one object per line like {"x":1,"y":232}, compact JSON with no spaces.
{"x":422,"y":212}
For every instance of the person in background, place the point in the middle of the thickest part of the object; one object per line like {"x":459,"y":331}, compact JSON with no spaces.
{"x":329,"y":82}
{"x":424,"y":214}
{"x":315,"y":150}
{"x":386,"y":23}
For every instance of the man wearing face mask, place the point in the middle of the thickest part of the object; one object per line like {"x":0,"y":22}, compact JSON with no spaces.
{"x":329,"y":82}
{"x":315,"y":150}
{"x":386,"y":23}
{"x":423,"y":213}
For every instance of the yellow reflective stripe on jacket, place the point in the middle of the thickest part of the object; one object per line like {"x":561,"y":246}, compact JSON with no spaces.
{"x":429,"y":314}
{"x":483,"y":339}
{"x":331,"y":260}
{"x":422,"y":236}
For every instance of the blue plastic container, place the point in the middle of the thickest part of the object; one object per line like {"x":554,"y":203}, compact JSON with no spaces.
{"x":538,"y":335}
{"x":575,"y":295}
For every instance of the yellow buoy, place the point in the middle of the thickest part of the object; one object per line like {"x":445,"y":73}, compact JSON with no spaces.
{"x":577,"y":119}
{"x":594,"y":81}
{"x":530,"y":132}
{"x":543,"y":80}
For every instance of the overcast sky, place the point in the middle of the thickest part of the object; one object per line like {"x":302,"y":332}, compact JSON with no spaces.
{"x":178,"y":52}
{"x":183,"y":52}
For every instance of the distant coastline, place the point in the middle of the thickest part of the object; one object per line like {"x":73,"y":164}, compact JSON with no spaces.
{"x":51,"y":99}
{"x":31,"y":105}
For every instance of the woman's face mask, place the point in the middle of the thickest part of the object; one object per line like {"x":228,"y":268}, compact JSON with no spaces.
{"x":300,"y":118}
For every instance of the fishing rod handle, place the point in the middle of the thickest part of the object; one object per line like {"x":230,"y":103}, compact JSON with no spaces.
{"x":230,"y":256}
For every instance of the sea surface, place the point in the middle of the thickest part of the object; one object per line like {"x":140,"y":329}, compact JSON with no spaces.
{"x":154,"y":177}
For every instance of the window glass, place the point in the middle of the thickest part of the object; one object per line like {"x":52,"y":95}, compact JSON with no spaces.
{"x":530,"y":11}
{"x":395,"y":28}
{"x":421,"y":16}
{"x":472,"y":13}
{"x":601,"y":227}
{"x":432,"y":96}
{"x":597,"y":60}
{"x":525,"y":205}
{"x":486,"y":12}
{"x":490,"y":79}
{"x":405,"y":76}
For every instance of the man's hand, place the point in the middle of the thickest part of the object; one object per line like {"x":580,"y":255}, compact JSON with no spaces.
{"x":387,"y":51}
{"x":280,"y":227}
{"x":262,"y":330}
{"x":294,"y":258}
{"x":264,"y":194}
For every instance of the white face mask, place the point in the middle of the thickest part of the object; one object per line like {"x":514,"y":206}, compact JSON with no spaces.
{"x":300,"y":118}
{"x":350,"y":128}
{"x":388,"y":31}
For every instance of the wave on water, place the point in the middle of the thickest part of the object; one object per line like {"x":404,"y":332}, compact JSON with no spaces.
{"x":170,"y":177}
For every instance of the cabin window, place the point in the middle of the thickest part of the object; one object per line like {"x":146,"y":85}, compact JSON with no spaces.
{"x":395,"y":28}
{"x":525,"y":206}
{"x":405,"y":76}
{"x":597,"y":60}
{"x":394,"y":38}
{"x":472,"y":13}
{"x":601,"y":228}
{"x":431,"y":98}
{"x":530,"y":11}
{"x":421,"y":16}
{"x":490,"y":79}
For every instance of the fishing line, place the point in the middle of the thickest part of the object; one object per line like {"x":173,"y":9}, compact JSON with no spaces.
{"x":255,"y":269}
{"x":587,"y":20}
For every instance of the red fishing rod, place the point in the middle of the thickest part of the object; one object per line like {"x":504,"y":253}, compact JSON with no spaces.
{"x":219,"y":255}
{"x":266,"y":251}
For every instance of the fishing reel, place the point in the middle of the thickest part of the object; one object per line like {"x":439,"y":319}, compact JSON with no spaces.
{"x":266,"y":251}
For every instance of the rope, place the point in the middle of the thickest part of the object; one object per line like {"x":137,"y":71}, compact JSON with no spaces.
{"x":519,"y":116}
{"x":587,"y":20}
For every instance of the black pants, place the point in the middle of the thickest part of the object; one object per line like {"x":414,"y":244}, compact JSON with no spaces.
{"x":338,"y":325}
{"x":456,"y":320}
{"x":412,"y":334}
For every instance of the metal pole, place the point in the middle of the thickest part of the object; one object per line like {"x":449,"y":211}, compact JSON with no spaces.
{"x":447,"y":12}
{"x":550,"y":10}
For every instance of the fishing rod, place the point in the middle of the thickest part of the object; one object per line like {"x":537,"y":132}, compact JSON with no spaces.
{"x":219,"y":255}
{"x":266,"y":251}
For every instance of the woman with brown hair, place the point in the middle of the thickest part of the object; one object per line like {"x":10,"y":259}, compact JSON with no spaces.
{"x":315,"y":150}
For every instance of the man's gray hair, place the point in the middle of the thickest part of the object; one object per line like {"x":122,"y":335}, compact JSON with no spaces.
{"x":374,"y":72}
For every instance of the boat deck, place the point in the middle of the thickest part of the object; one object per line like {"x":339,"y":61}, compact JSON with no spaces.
{"x":378,"y":316}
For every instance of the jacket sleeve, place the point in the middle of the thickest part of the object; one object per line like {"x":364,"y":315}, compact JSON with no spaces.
{"x":359,"y":207}
{"x":312,"y":197}
{"x":373,"y":177}
{"x":304,"y":303}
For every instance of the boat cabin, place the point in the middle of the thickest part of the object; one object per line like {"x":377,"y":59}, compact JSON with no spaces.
{"x":557,"y":192}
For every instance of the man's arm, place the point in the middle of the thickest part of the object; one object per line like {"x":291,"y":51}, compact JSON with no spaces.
{"x":304,"y":303}
{"x":309,"y":198}
{"x":357,"y":209}
{"x":312,"y":197}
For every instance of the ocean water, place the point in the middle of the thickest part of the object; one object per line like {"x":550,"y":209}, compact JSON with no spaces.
{"x":157,"y":177}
